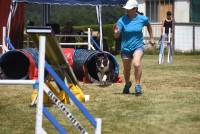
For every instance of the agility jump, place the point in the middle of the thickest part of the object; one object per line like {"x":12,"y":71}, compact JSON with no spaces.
{"x":163,"y":41}
{"x":43,"y":44}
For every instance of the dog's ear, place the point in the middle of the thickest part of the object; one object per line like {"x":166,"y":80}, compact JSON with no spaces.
{"x":106,"y":56}
{"x":96,"y":58}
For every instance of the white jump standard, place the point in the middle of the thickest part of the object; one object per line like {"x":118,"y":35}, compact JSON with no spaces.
{"x":162,"y":47}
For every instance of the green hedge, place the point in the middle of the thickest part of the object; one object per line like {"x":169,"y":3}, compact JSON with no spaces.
{"x":107,"y":33}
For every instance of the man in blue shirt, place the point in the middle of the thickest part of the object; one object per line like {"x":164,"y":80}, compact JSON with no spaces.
{"x":130,"y":28}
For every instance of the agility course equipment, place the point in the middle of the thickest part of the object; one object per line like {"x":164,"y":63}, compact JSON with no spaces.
{"x":54,"y":54}
{"x":39,"y":114}
{"x":42,"y":41}
{"x":61,"y":83}
{"x":23,"y":61}
{"x":64,"y":109}
{"x":52,"y":50}
{"x":4,"y":47}
{"x":88,"y":43}
{"x":83,"y":62}
{"x":162,"y":47}
{"x":26,"y":67}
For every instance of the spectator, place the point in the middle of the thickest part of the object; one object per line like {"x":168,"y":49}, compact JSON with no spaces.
{"x":30,"y":23}
{"x":68,"y":30}
{"x":55,"y":27}
{"x":167,"y":23}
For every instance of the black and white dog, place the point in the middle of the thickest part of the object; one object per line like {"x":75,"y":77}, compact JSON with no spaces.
{"x":104,"y":68}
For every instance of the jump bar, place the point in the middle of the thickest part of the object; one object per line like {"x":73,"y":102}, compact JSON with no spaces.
{"x":17,"y":82}
{"x":36,"y":29}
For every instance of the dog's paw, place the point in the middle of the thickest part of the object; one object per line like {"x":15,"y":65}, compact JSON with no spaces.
{"x":104,"y":78}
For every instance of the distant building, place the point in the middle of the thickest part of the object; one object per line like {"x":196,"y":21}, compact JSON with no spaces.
{"x":183,"y":10}
{"x":186,"y":14}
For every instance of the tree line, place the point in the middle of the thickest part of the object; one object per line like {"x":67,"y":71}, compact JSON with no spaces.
{"x":78,"y":15}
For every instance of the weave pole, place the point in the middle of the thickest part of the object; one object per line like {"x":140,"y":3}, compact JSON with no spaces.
{"x":162,"y":47}
{"x":170,"y":51}
{"x":169,"y":47}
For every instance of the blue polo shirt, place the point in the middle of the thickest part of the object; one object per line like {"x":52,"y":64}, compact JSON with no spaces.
{"x":131,"y":32}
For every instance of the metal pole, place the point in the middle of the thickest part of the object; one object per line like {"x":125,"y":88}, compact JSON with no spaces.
{"x":169,"y":58}
{"x":193,"y":28}
{"x":46,"y":14}
{"x":4,"y":47}
{"x":70,"y":94}
{"x":89,"y":39}
{"x":98,"y":128}
{"x":150,"y":11}
{"x":162,"y":46}
{"x":53,"y":121}
{"x":97,"y":12}
{"x":9,"y":21}
{"x":17,"y":82}
{"x":169,"y":35}
{"x":101,"y":32}
{"x":42,"y":42}
{"x":65,"y":110}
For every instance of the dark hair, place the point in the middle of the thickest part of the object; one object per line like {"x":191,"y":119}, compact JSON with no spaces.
{"x":141,"y":13}
{"x":169,"y":13}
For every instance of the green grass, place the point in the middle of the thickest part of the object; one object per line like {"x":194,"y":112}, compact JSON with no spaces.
{"x":170,"y":103}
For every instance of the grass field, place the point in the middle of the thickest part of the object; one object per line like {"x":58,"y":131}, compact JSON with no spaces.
{"x":170,"y":103}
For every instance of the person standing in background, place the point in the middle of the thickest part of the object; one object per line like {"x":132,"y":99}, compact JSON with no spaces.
{"x":167,"y":23}
{"x":166,"y":36}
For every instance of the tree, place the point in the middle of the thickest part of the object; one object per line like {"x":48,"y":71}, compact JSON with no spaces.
{"x":79,"y":15}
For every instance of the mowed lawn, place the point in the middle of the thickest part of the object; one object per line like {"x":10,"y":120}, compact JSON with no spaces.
{"x":170,"y":103}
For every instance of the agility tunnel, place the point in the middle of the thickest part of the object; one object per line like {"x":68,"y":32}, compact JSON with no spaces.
{"x":19,"y":64}
{"x":23,"y":64}
{"x":83,"y":62}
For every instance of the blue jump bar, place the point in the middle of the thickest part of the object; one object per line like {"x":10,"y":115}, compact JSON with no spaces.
{"x":71,"y":95}
{"x":10,"y":45}
{"x":55,"y":123}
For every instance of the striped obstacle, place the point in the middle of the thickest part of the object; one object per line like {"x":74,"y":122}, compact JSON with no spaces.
{"x":83,"y":63}
{"x":95,"y":123}
{"x":162,"y":47}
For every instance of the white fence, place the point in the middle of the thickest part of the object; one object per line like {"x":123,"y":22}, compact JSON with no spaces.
{"x":156,"y":28}
{"x":187,"y":37}
{"x":28,"y":42}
